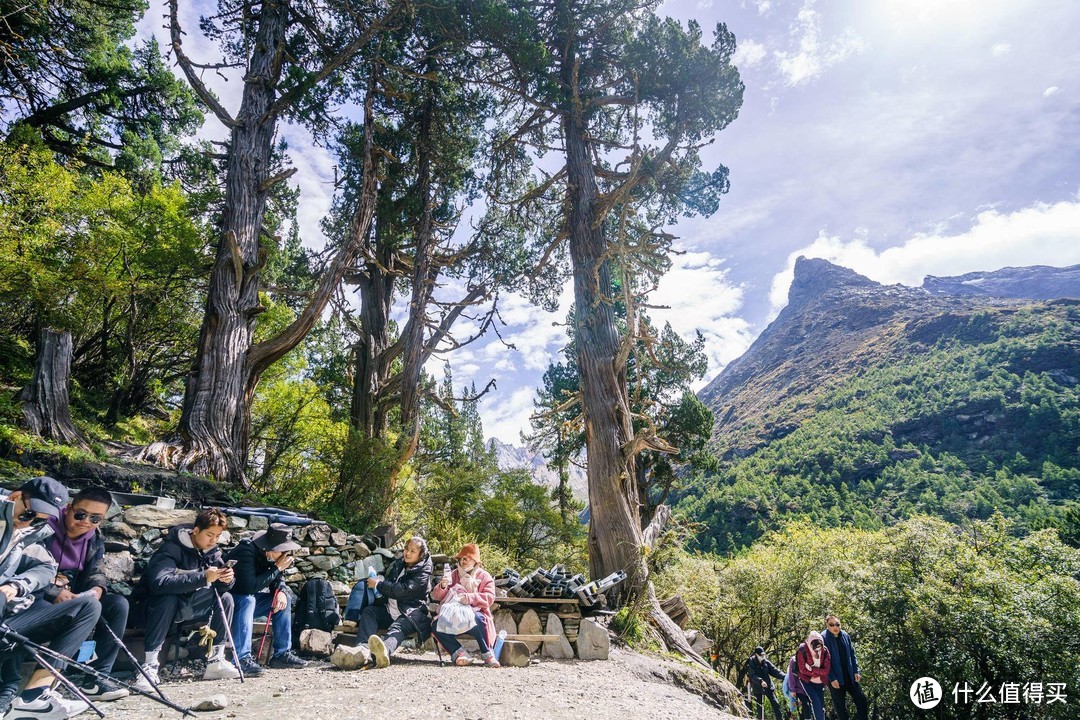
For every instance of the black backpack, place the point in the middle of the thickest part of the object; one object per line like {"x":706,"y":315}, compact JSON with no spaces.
{"x":317,"y":608}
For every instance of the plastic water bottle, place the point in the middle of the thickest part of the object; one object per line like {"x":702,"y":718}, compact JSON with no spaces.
{"x":373,"y":593}
{"x":446,"y":573}
{"x":499,"y":643}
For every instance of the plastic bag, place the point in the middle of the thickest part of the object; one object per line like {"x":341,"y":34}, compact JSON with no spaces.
{"x":455,"y":618}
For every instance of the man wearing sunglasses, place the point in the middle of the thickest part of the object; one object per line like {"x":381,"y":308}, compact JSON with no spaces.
{"x":78,"y":549}
{"x":26,"y":568}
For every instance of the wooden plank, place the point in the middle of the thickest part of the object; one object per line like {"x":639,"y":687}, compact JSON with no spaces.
{"x":533,"y":638}
{"x":511,"y":600}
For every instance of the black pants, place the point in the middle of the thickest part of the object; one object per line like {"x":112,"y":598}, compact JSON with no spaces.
{"x":770,"y":693}
{"x":840,"y":704}
{"x":64,"y":626}
{"x":114,"y":613}
{"x":163,"y":610}
{"x":377,"y":617}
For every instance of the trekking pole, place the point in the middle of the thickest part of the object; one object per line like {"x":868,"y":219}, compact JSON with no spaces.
{"x":227,"y":622}
{"x":136,"y":663}
{"x":40,"y":652}
{"x":262,"y":643}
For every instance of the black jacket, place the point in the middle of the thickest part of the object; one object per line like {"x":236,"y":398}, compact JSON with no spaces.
{"x":89,"y":576}
{"x":254,"y":573}
{"x":758,"y":670}
{"x":409,"y":586}
{"x":178,"y":568}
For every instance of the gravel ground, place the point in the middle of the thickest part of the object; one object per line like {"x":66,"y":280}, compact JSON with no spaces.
{"x":626,"y":687}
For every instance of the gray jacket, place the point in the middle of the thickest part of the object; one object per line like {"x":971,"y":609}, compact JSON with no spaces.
{"x":25,"y":564}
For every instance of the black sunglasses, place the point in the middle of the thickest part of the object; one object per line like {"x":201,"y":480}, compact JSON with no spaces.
{"x":30,"y":516}
{"x":81,"y":515}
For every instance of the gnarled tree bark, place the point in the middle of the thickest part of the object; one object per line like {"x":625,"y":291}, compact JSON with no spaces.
{"x":45,"y":403}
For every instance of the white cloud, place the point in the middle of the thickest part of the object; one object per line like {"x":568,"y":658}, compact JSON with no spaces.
{"x":506,"y":417}
{"x":748,"y":54}
{"x":814,"y":54}
{"x":1051,"y":91}
{"x":1042,"y":234}
{"x":999,"y":49}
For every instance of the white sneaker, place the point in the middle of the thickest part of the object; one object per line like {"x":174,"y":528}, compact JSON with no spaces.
{"x":48,"y":706}
{"x":220,"y":670}
{"x":141,"y":683}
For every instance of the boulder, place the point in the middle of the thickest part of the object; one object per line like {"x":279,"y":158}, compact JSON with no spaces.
{"x":340,"y":588}
{"x":316,"y":642}
{"x":559,"y":649}
{"x":325,"y":562}
{"x":120,"y":529}
{"x":514,"y":654}
{"x":258,"y":522}
{"x":338,"y":538}
{"x":153,"y":516}
{"x":504,"y":620}
{"x":530,"y":625}
{"x":210,"y":704}
{"x":593,"y":642}
{"x":361,"y":550}
{"x":118,"y":566}
{"x":350,"y":658}
{"x":237,"y":523}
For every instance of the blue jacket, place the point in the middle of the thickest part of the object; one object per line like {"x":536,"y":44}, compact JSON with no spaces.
{"x":832,"y":642}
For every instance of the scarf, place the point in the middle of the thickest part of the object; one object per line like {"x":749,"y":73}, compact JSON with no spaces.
{"x":70,"y":553}
{"x":467,"y":579}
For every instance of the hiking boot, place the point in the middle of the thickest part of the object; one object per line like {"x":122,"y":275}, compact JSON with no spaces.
{"x":287,"y":660}
{"x":220,"y":669}
{"x":104,"y":688}
{"x":250,"y":666}
{"x":141,"y":683}
{"x":47,"y":706}
{"x":378,"y":651}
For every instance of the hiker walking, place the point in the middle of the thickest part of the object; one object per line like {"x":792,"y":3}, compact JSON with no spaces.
{"x":814,"y":662}
{"x":472,"y":586}
{"x":844,"y":677}
{"x":760,"y":671}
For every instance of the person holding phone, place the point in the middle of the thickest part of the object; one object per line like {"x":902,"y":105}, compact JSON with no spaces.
{"x":180,"y":583}
{"x":260,"y":590}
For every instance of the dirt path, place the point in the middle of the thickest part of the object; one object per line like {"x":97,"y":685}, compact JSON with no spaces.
{"x":629,"y":686}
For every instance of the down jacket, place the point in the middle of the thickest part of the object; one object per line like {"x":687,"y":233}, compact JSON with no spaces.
{"x":25,"y":564}
{"x":178,"y":567}
{"x":481,"y":600}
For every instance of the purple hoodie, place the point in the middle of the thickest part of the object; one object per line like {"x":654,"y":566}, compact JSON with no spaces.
{"x":793,"y":682}
{"x":69,"y":554}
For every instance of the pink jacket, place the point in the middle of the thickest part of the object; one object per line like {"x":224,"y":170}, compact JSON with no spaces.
{"x":482,"y":599}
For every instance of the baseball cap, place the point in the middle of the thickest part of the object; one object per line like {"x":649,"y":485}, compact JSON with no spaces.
{"x":45,"y":495}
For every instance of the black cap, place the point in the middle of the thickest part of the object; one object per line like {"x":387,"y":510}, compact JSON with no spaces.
{"x":277,"y":539}
{"x":759,"y":650}
{"x":45,"y":495}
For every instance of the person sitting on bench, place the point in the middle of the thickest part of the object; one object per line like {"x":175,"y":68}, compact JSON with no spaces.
{"x":260,"y":590}
{"x":78,"y":549}
{"x":182,"y":582}
{"x":470,"y":585}
{"x":401,"y":608}
{"x":26,"y":568}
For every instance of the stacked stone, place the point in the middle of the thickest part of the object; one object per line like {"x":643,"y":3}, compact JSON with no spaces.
{"x":132,"y":536}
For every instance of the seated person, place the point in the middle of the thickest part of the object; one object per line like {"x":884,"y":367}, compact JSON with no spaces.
{"x":25,"y":568}
{"x":180,"y":583}
{"x":471,"y":585}
{"x":260,"y":590}
{"x":401,"y":608}
{"x":78,"y":549}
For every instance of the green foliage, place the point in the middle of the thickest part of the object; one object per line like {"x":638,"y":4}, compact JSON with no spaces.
{"x":923,"y":597}
{"x":986,"y":420}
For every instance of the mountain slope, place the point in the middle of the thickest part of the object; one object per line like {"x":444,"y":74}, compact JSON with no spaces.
{"x":864,"y":404}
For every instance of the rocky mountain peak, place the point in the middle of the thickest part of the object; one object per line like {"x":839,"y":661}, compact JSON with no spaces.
{"x":815,"y":277}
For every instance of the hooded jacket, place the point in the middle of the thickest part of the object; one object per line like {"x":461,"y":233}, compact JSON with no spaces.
{"x":480,"y":600}
{"x":178,"y":567}
{"x":793,"y":681}
{"x":254,"y":573}
{"x":90,"y":575}
{"x":25,"y":564}
{"x":409,"y":586}
{"x":761,"y":670}
{"x":809,"y":672}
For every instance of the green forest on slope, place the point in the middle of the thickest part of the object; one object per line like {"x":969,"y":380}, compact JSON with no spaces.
{"x":982,"y":419}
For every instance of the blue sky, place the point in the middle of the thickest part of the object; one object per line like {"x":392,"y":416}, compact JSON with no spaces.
{"x":897,"y":137}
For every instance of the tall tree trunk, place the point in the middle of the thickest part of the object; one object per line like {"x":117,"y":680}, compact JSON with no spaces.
{"x":615,"y":528}
{"x":371,"y":364}
{"x":45,"y":404}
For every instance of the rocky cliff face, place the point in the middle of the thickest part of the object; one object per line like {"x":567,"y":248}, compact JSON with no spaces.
{"x":512,"y":457}
{"x":837,"y":322}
